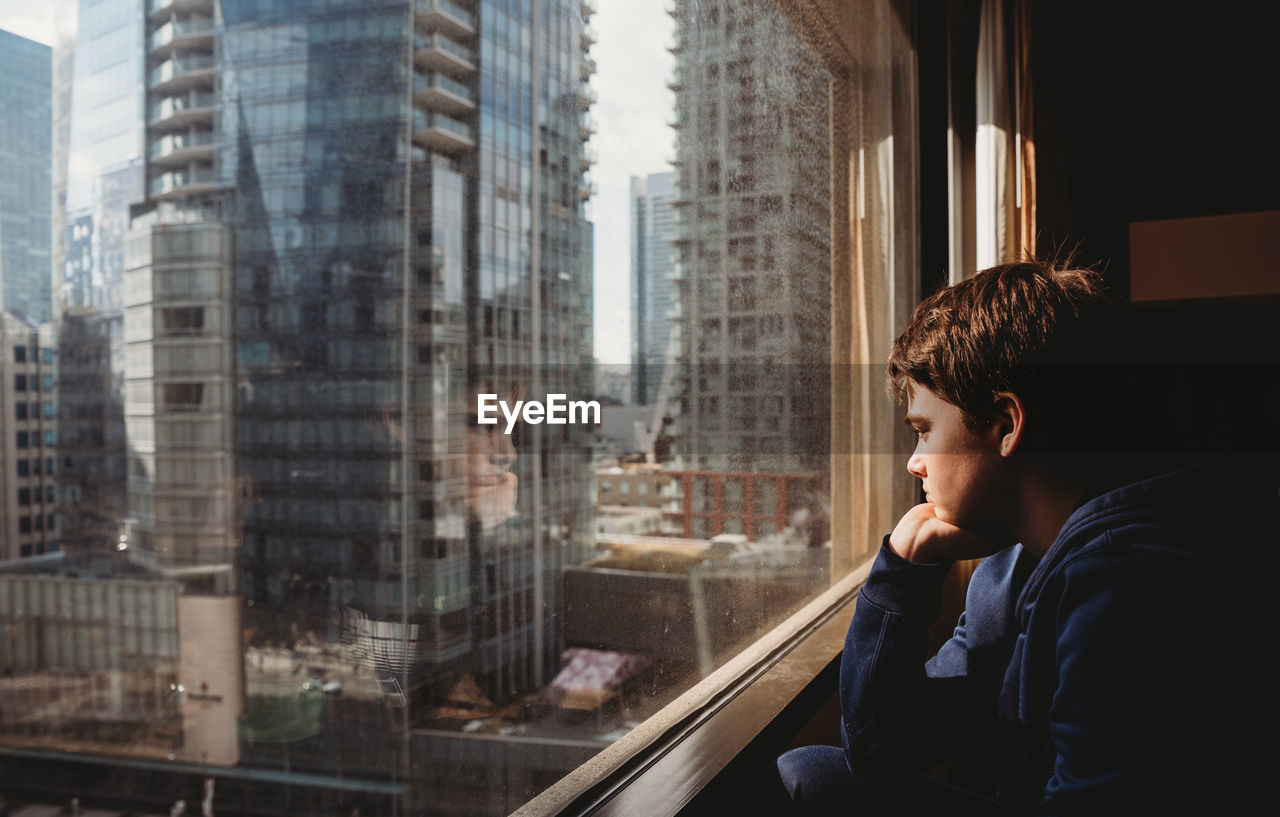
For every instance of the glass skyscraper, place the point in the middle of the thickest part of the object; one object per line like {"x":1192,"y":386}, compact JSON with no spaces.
{"x":652,"y":288}
{"x":311,"y":238}
{"x":25,"y":132}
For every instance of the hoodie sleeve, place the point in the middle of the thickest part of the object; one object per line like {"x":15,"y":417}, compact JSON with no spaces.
{"x":897,"y":718}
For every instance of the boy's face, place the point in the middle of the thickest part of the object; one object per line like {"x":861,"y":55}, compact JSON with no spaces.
{"x":965,"y":478}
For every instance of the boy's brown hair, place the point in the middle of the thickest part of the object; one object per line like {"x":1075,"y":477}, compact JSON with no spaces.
{"x":1028,"y":327}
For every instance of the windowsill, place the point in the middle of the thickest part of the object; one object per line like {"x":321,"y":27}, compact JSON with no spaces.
{"x":662,"y":764}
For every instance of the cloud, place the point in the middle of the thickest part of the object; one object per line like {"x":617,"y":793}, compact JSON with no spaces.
{"x":31,"y":20}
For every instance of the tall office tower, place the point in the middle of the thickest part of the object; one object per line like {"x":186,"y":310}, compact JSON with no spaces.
{"x":358,"y":217}
{"x":294,"y":257}
{"x":25,"y":122}
{"x":28,"y":450}
{"x":102,"y":119}
{"x":752,"y":241}
{"x":652,"y":290}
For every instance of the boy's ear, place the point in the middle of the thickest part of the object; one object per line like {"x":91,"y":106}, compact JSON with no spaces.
{"x":1009,"y":422}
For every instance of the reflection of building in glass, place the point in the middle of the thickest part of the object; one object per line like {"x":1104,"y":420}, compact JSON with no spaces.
{"x":99,"y":148}
{"x":25,"y":161}
{"x":28,"y":453}
{"x":752,"y":240}
{"x":292,"y":259}
{"x":90,"y":468}
{"x":652,"y":290}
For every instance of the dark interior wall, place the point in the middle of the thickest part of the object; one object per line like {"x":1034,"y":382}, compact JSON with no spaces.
{"x":1147,"y":111}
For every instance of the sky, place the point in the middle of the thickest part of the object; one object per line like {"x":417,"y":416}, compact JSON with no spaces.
{"x":632,"y":137}
{"x":33,"y":20}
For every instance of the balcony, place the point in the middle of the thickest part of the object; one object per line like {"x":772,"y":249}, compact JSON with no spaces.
{"x":588,"y":37}
{"x":437,"y":92}
{"x":586,"y":159}
{"x":439,"y":53}
{"x":446,"y":17}
{"x":182,"y":148}
{"x":586,"y":68}
{"x":585,"y":97}
{"x":181,"y":111}
{"x":196,"y":32}
{"x":178,"y":183}
{"x":586,"y":126}
{"x":442,"y":133}
{"x":586,"y":189}
{"x":178,"y":73}
{"x":587,"y":8}
{"x":159,"y":8}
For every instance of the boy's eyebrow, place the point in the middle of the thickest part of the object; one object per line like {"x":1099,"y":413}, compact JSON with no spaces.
{"x":914,"y":420}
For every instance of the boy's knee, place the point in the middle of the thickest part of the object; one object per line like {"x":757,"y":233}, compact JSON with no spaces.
{"x":814,"y":773}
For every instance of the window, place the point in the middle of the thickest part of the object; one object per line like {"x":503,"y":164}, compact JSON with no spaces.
{"x":19,"y":354}
{"x":20,"y":382}
{"x":341,"y":386}
{"x":24,"y":467}
{"x":24,"y":496}
{"x":21,"y":409}
{"x":183,"y":396}
{"x":23,"y":439}
{"x":24,"y":524}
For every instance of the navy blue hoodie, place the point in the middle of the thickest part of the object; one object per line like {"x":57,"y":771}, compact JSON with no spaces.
{"x":1114,"y":675}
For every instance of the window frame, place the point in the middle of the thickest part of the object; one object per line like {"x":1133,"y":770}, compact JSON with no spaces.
{"x":661,"y":765}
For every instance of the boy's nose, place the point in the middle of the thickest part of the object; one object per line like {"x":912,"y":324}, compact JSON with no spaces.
{"x":915,"y":464}
{"x":503,"y":453}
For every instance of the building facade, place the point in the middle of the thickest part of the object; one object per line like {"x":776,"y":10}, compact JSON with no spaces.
{"x":293,"y":257}
{"x":25,"y":161}
{"x":752,"y":241}
{"x":652,"y":287}
{"x":28,"y":450}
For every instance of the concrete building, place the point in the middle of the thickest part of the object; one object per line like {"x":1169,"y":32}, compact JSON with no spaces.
{"x":752,"y":241}
{"x":653,"y":292}
{"x":28,"y":446}
{"x":26,"y":118}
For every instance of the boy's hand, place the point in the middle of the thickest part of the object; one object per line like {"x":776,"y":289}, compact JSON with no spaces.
{"x":922,"y":537}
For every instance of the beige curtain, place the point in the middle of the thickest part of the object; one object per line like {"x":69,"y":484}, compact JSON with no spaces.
{"x":1005,"y":151}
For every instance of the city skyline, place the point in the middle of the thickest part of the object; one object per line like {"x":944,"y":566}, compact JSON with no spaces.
{"x":633,"y":138}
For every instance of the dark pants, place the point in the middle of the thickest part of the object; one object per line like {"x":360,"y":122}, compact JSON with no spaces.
{"x":817,"y":781}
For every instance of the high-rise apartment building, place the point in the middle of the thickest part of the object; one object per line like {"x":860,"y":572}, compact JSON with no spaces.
{"x":752,"y":240}
{"x":341,"y":221}
{"x":28,"y":450}
{"x":652,"y":290}
{"x":25,"y":162}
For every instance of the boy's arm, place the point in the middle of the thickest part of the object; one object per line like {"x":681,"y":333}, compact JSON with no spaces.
{"x":895,"y":718}
{"x":900,"y":714}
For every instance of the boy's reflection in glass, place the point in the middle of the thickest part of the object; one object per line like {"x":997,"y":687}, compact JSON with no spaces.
{"x":491,"y":487}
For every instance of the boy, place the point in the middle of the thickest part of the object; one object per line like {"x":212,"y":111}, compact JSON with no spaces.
{"x":1093,"y":669}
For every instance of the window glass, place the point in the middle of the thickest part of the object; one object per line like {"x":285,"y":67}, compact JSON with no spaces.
{"x":302,"y":245}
